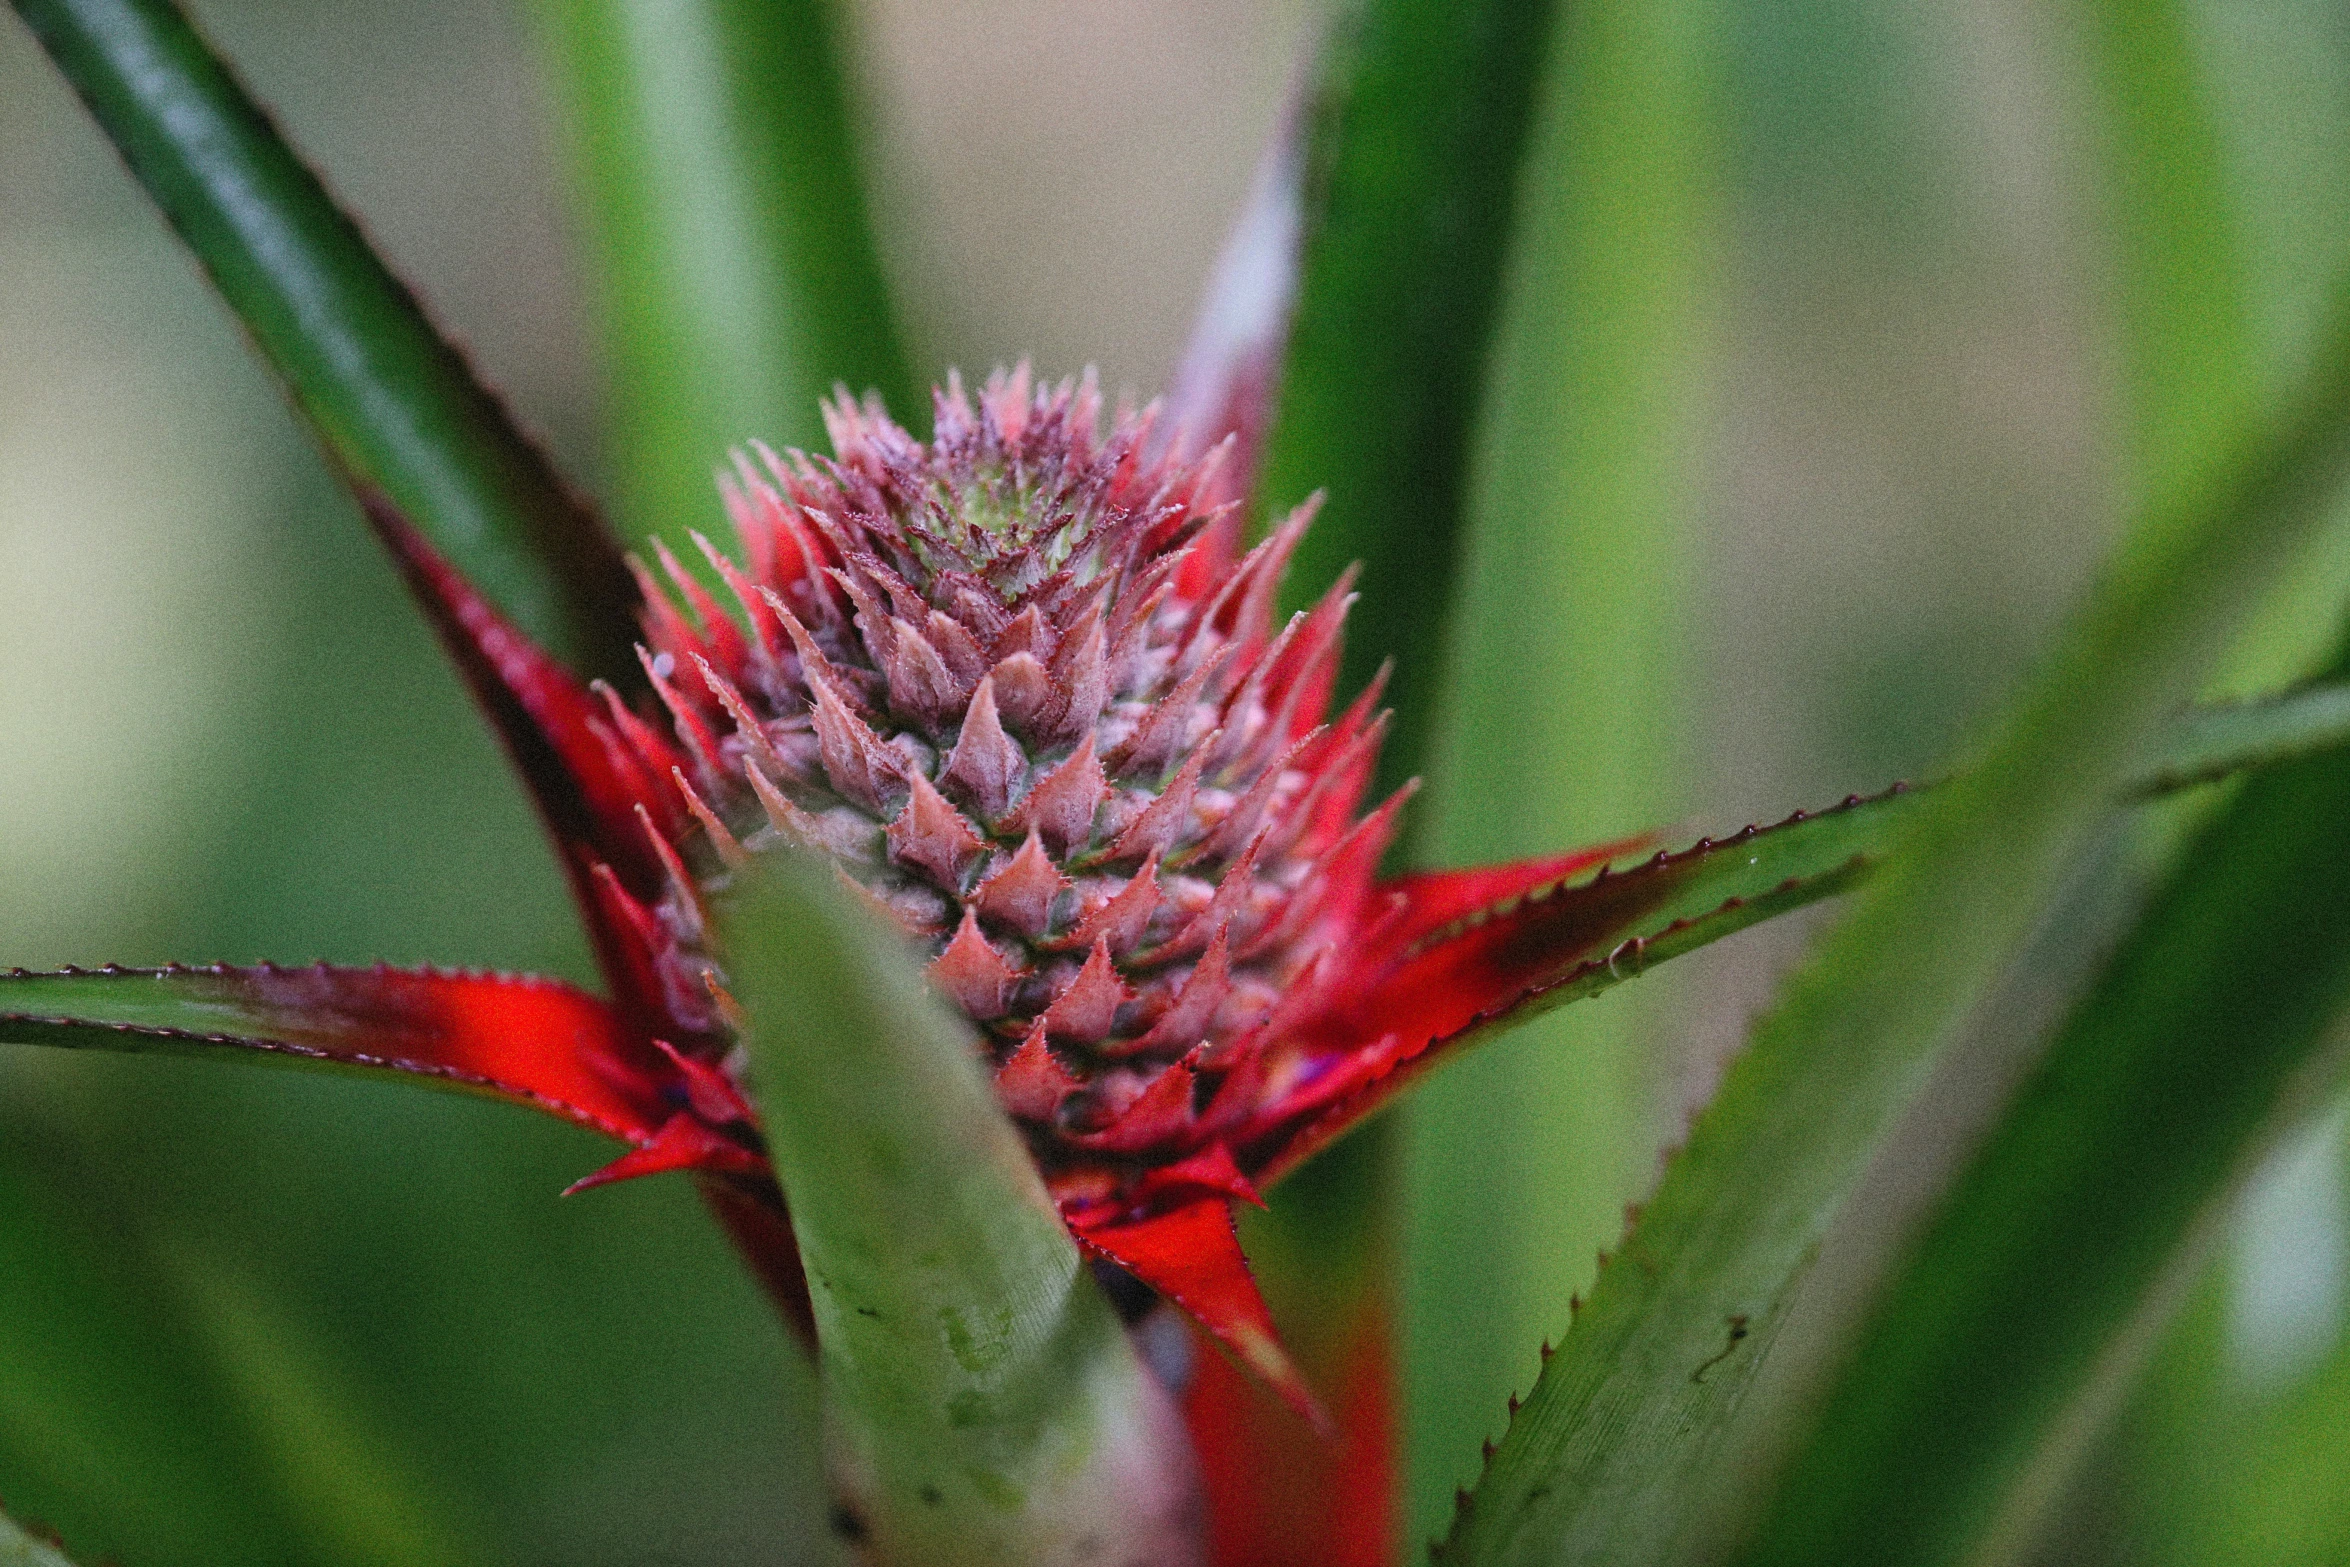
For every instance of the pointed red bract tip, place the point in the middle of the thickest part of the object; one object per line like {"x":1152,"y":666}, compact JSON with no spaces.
{"x":683,"y":1143}
{"x":1192,"y":1256}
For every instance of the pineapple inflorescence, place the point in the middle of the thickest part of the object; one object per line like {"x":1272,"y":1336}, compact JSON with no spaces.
{"x":1024,"y":687}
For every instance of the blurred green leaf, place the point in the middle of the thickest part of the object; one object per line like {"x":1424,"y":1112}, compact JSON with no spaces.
{"x":1621,"y":1447}
{"x":2190,"y":373}
{"x":349,"y":1487}
{"x":2218,"y":739}
{"x":2257,"y":1481}
{"x":394,"y":405}
{"x":714,"y":156}
{"x":1418,"y":127}
{"x":112,"y":1427}
{"x":1567,"y":725}
{"x":2002,"y":1336}
{"x":988,"y":1406}
{"x":2038,"y":1281}
{"x":19,"y":1549}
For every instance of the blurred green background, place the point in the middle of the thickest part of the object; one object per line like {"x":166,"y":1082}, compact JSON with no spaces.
{"x":271,"y":1318}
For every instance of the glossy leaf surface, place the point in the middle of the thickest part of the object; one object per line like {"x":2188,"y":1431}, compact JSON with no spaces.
{"x":393,"y":403}
{"x":715,"y":164}
{"x":1619,"y":1450}
{"x":988,"y":1404}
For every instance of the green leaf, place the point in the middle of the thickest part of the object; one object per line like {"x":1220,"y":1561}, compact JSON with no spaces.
{"x":113,"y":1426}
{"x":2007,"y":1327}
{"x":2190,"y":371}
{"x":1419,"y":126}
{"x":1563,"y":727}
{"x":2216,"y":740}
{"x":19,"y":1549}
{"x":2254,"y":1478}
{"x":359,"y":1499}
{"x":1416,"y":127}
{"x":988,"y":1406}
{"x":392,"y":403}
{"x":2041,"y":1271}
{"x":714,"y":159}
{"x":533,"y":1041}
{"x":1621,"y":1449}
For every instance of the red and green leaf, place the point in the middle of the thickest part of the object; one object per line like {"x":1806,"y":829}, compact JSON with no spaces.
{"x":534,"y":1042}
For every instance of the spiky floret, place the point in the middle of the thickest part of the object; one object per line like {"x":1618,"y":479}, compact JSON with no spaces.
{"x":1023,"y":686}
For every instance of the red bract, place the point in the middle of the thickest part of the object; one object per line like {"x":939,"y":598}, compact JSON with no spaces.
{"x":1025,"y":688}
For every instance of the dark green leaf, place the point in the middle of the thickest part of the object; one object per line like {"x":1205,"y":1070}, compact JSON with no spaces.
{"x":393,"y":404}
{"x":1419,"y":126}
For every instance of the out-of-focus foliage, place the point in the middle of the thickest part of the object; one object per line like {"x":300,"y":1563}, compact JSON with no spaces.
{"x":1904,"y":448}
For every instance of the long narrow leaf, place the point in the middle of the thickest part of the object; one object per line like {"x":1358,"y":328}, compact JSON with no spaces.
{"x":2190,"y":367}
{"x":1420,"y":125}
{"x":2190,"y":371}
{"x":1414,"y":132}
{"x":2021,"y":1303}
{"x":715,"y":163}
{"x":393,"y":404}
{"x":989,"y":1407}
{"x":1620,"y":1449}
{"x":1562,"y":726}
{"x":534,"y":1041}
